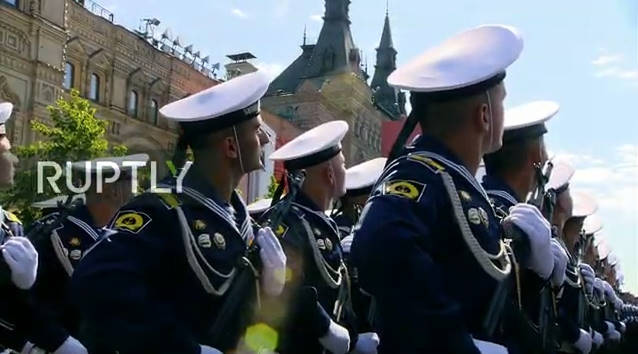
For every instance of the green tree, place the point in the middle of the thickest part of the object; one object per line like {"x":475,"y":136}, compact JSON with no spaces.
{"x":74,"y":134}
{"x":272,"y":187}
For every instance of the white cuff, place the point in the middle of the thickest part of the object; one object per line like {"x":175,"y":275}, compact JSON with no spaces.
{"x":489,"y":347}
{"x":584,"y":342}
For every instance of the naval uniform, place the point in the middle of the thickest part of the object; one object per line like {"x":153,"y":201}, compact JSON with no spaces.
{"x":16,"y":309}
{"x":58,"y":255}
{"x":345,"y":223}
{"x":361,"y":302}
{"x":519,"y":327}
{"x":571,"y":306}
{"x":157,"y":284}
{"x":431,"y":293}
{"x":319,"y":290}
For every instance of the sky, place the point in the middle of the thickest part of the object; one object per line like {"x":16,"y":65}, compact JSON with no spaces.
{"x":582,"y":54}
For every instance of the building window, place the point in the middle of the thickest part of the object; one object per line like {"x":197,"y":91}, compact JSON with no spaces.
{"x":69,"y":75}
{"x":114,"y":128}
{"x":94,"y":93}
{"x":132,"y":104}
{"x":13,"y":3}
{"x":153,"y":112}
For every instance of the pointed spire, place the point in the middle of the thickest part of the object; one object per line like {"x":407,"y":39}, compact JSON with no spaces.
{"x":387,"y":8}
{"x":305,"y":28}
{"x":386,"y":97}
{"x":335,"y":51}
{"x":337,"y":10}
{"x":386,"y":36}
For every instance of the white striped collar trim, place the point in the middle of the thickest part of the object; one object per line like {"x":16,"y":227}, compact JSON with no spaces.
{"x":221,"y":212}
{"x":6,"y":324}
{"x":503,"y":194}
{"x":84,"y":226}
{"x":458,"y":168}
{"x":321,"y":215}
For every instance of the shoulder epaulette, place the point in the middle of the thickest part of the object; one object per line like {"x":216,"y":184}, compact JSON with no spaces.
{"x":427,"y":162}
{"x":11,"y":217}
{"x":170,"y":200}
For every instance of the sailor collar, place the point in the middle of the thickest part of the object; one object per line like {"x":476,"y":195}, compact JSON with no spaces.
{"x":303,"y":202}
{"x":200,"y":190}
{"x":82,"y":218}
{"x":431,"y":147}
{"x":496,"y":186}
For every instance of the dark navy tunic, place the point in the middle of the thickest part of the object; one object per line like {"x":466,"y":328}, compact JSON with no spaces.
{"x":431,"y":293}
{"x":16,"y":305}
{"x":156,"y":285}
{"x":58,"y":255}
{"x":345,"y":223}
{"x":518,"y":331}
{"x":501,"y":195}
{"x":311,"y":241}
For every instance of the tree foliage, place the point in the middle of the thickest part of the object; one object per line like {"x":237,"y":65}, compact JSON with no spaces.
{"x":73,"y":134}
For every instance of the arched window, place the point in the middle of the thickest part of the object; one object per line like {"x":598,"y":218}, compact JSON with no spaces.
{"x":94,"y":93}
{"x":69,"y":76}
{"x":132,"y":104}
{"x":153,"y":112}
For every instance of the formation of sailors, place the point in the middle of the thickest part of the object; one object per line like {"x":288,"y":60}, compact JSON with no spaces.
{"x":410,"y":254}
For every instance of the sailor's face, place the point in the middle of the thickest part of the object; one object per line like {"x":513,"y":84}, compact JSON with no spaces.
{"x":496,"y":96}
{"x":339,"y":170}
{"x":571,"y":232}
{"x":7,"y":162}
{"x":253,"y":139}
{"x":543,"y":152}
{"x":563,"y":210}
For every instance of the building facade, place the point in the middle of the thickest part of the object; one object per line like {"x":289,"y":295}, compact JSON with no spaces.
{"x":48,"y":47}
{"x":328,"y":82}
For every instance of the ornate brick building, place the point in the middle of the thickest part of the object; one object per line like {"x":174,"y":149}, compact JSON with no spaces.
{"x":48,"y":47}
{"x":327,"y":82}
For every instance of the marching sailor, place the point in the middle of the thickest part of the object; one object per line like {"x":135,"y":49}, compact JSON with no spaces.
{"x":158,"y":284}
{"x":359,"y":181}
{"x":319,"y":311}
{"x":428,"y":246}
{"x":511,"y":175}
{"x":72,"y":233}
{"x":20,"y":259}
{"x":575,"y":336}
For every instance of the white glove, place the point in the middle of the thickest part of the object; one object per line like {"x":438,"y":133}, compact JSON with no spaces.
{"x":489,"y":347}
{"x":367,"y":343}
{"x":336,"y":340}
{"x":71,"y":346}
{"x":208,"y":350}
{"x":273,"y":258}
{"x":589,"y":278}
{"x":560,"y":263}
{"x":22,"y":259}
{"x":538,"y":231}
{"x":623,"y":327}
{"x":28,"y":348}
{"x":612,"y":334}
{"x":584,"y":342}
{"x":597,"y":339}
{"x":346,"y":243}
